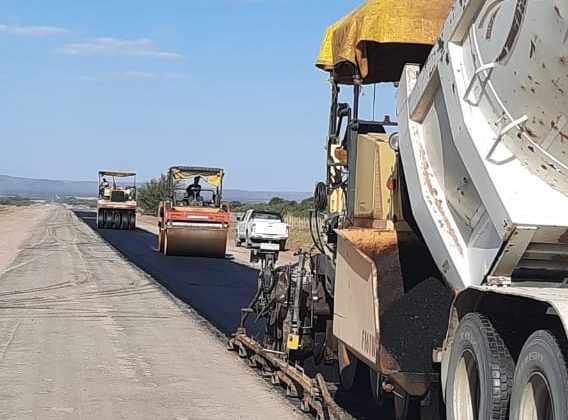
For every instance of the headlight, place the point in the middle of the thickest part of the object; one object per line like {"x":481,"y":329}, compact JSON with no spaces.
{"x":394,"y":141}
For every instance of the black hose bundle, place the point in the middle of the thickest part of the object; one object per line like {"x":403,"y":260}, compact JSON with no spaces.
{"x":320,"y":197}
{"x":314,"y":231}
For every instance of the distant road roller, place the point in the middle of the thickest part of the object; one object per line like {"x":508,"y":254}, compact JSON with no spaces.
{"x":194,"y":221}
{"x":116,"y":205}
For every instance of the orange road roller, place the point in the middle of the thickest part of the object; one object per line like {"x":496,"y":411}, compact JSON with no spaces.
{"x":194,"y":221}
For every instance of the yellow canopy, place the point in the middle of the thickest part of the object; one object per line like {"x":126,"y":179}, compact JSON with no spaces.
{"x":214,"y":180}
{"x":325,"y":58}
{"x":213,"y":176}
{"x":379,"y":37}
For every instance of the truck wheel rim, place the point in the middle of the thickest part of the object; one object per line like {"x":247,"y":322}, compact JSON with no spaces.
{"x":536,"y":402}
{"x":467,"y":393}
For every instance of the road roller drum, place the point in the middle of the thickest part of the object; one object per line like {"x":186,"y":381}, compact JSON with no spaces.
{"x":195,"y":241}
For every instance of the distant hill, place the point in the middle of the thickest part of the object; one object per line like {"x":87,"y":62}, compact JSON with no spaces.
{"x":29,"y":187}
{"x":263,"y":196}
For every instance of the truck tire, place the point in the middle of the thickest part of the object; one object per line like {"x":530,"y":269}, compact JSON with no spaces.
{"x":100,"y":220}
{"x":353,"y":374}
{"x":116,"y":220}
{"x":480,"y":370}
{"x":132,"y":221}
{"x":107,"y":215}
{"x":540,"y":389}
{"x":124,"y":220}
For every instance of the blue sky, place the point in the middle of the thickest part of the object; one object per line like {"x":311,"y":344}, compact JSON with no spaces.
{"x":144,"y":84}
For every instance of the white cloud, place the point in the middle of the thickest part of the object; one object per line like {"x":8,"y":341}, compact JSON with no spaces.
{"x":87,"y":78}
{"x":133,"y":75}
{"x":33,"y":31}
{"x":117,"y":46}
{"x":175,"y":75}
{"x":137,"y":74}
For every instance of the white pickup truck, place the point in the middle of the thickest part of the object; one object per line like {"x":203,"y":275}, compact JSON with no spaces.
{"x":261,"y":226}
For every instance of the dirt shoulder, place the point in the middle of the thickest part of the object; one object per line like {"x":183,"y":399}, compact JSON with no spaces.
{"x":85,"y":334}
{"x":16,"y":225}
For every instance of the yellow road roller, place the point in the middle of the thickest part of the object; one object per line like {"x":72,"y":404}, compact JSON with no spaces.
{"x":116,"y":205}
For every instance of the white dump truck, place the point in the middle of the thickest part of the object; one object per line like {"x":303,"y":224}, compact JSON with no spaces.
{"x":442,"y":263}
{"x":484,"y":145}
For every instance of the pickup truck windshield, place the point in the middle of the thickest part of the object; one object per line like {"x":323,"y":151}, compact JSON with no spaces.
{"x":267,"y":216}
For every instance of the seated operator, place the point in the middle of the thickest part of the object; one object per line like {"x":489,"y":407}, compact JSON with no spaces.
{"x":104,"y":185}
{"x":194,"y":190}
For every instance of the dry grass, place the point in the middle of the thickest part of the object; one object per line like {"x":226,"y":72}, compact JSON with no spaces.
{"x":16,"y":201}
{"x":144,"y":218}
{"x":299,"y":238}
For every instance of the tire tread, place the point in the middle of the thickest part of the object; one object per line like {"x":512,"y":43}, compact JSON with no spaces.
{"x":501,"y":365}
{"x":555,"y":343}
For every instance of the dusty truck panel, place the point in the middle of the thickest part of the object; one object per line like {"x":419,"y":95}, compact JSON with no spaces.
{"x":466,"y":122}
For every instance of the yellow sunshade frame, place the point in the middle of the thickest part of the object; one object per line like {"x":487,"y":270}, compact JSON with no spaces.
{"x":382,"y":33}
{"x":214,"y":179}
{"x":117,"y":174}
